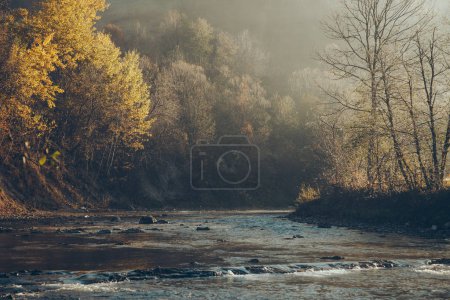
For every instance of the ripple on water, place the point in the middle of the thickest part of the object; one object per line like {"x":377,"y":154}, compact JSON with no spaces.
{"x":95,"y":287}
{"x":442,"y":270}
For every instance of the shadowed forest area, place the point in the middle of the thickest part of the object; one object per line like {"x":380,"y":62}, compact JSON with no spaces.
{"x":101,"y":103}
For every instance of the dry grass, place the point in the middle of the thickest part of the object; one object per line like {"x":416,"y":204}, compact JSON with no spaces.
{"x":9,"y":207}
{"x":447,"y":182}
{"x":307,"y":194}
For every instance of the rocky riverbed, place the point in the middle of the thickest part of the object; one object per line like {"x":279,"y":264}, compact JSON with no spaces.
{"x":206,"y":255}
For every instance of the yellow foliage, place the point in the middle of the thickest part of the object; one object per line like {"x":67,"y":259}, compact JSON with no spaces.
{"x":43,"y":160}
{"x":118,"y":97}
{"x":135,"y":104}
{"x":71,"y":22}
{"x":59,"y":37}
{"x":32,"y":68}
{"x":29,"y":81}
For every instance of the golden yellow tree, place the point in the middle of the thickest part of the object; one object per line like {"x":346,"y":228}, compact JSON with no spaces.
{"x":28,"y":88}
{"x":63,"y":74}
{"x":71,"y":22}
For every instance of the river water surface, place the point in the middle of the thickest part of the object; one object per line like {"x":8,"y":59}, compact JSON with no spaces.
{"x":244,"y":255}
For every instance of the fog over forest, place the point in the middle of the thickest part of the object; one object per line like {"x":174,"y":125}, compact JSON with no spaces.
{"x":290,"y":30}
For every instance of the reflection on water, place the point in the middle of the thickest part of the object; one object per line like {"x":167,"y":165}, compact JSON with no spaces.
{"x":179,"y":262}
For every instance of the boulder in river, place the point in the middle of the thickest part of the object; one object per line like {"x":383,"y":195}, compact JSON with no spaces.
{"x":133,"y":230}
{"x":162,"y":222}
{"x":148,"y":220}
{"x":336,"y":257}
{"x":104,"y":231}
{"x":200,"y":228}
{"x":115,"y":219}
{"x":441,"y":261}
{"x":73,"y":231}
{"x":254,"y":261}
{"x":36,"y":272}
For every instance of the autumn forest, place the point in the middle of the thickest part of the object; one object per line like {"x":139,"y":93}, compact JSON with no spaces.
{"x":103,"y":112}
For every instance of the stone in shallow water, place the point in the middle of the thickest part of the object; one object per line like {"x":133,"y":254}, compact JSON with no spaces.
{"x":203,"y":228}
{"x":36,"y":272}
{"x":173,"y":273}
{"x":162,"y":222}
{"x":73,"y":231}
{"x":104,"y":231}
{"x":148,"y":220}
{"x":336,"y":257}
{"x":254,"y":261}
{"x":133,"y":230}
{"x":377,"y":264}
{"x":441,"y":261}
{"x":115,"y":219}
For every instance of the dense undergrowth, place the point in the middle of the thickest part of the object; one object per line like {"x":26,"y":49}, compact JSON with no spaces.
{"x":414,"y":209}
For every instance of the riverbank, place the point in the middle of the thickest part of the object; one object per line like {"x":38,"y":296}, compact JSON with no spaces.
{"x":412,"y":213}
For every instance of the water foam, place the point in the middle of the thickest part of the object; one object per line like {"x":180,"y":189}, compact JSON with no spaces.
{"x":95,"y":287}
{"x":433,"y":269}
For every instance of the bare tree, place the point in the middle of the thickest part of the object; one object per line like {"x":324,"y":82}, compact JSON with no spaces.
{"x":433,"y":69}
{"x":364,"y":31}
{"x":409,"y":99}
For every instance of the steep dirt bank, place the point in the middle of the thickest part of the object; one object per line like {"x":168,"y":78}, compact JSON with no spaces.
{"x":30,"y":189}
{"x":10,"y":207}
{"x":25,"y":191}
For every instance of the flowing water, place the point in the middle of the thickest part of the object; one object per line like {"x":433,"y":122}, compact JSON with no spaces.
{"x":244,"y":255}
